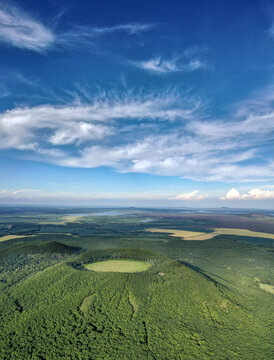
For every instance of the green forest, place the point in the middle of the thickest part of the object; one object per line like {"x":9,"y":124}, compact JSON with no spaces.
{"x":197,"y":300}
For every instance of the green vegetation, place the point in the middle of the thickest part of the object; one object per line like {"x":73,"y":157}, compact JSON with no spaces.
{"x":118,"y":266}
{"x":196,"y":300}
{"x":63,"y":220}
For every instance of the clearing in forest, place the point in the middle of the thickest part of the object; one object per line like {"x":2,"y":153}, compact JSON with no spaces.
{"x":87,"y":302}
{"x":63,"y":220}
{"x":118,"y":266}
{"x":267,"y":287}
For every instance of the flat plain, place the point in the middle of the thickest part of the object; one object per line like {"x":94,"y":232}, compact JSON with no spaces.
{"x":122,"y":265}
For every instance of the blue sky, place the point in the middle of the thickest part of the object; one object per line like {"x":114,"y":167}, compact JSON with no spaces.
{"x":137,"y":103}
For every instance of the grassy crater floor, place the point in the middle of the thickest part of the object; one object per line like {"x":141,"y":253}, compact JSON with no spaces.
{"x":118,"y":266}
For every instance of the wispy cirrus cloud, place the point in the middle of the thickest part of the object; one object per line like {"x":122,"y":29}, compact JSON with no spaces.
{"x":82,"y":35}
{"x":158,"y":65}
{"x":200,"y":149}
{"x":14,"y":77}
{"x":19,"y":29}
{"x":130,"y":28}
{"x":175,"y":154}
{"x":22,"y":31}
{"x":4,"y":92}
{"x":86,"y":122}
{"x":163,"y":134}
{"x":254,"y":194}
{"x":271,"y":30}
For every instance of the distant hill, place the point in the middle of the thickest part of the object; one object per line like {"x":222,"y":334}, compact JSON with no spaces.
{"x":39,"y":248}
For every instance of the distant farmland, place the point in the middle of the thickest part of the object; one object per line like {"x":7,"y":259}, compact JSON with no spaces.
{"x":243,"y":232}
{"x":11,"y":237}
{"x":192,"y":235}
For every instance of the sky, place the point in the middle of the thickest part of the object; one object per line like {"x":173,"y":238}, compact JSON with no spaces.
{"x":137,"y":103}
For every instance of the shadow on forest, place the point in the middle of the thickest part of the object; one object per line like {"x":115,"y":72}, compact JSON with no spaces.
{"x":201,"y":272}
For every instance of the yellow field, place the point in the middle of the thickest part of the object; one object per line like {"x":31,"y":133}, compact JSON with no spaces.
{"x":118,"y":266}
{"x":192,"y":235}
{"x":178,"y":233}
{"x":205,"y":236}
{"x":185,"y":234}
{"x":67,"y":234}
{"x":243,"y":232}
{"x":10,"y":237}
{"x":268,"y":288}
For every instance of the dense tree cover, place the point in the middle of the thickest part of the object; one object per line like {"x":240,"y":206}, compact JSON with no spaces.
{"x":187,"y":305}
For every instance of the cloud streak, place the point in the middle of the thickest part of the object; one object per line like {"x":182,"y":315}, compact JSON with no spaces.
{"x":163,"y":134}
{"x":81,"y":123}
{"x":19,"y":30}
{"x":88,"y":35}
{"x":158,"y":65}
{"x":130,"y":28}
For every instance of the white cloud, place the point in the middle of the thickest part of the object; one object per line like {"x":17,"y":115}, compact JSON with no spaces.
{"x":20,"y":30}
{"x":258,"y":194}
{"x":131,"y":28}
{"x":194,"y":195}
{"x":254,"y":194}
{"x":130,"y":133}
{"x":78,"y":132}
{"x":193,"y":65}
{"x":83,"y":35}
{"x":19,"y":193}
{"x":25,"y":191}
{"x":174,"y":153}
{"x":232,"y":194}
{"x":79,"y":123}
{"x":160,"y":66}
